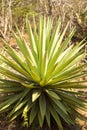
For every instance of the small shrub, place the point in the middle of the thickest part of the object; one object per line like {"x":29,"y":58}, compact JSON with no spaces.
{"x":40,"y":83}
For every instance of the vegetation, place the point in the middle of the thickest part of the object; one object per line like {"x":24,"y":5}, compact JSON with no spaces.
{"x":41,"y":81}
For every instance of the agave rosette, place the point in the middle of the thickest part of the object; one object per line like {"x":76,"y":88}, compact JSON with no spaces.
{"x":40,"y":82}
